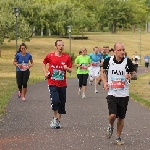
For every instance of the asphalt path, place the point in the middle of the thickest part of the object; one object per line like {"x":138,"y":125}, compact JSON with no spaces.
{"x":26,"y":125}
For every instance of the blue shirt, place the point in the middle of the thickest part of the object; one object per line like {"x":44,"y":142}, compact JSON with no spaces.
{"x":146,"y":59}
{"x":24,"y":60}
{"x":95,"y":57}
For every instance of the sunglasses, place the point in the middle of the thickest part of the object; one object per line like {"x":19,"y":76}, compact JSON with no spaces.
{"x":23,"y":48}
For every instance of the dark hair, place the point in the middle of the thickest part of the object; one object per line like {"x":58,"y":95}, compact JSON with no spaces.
{"x":80,"y":52}
{"x":57,"y":41}
{"x":23,"y":44}
{"x":105,"y":46}
{"x":111,"y":50}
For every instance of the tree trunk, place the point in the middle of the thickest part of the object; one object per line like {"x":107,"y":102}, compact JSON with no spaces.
{"x":82,"y":33}
{"x":42,"y":32}
{"x":133,"y":28}
{"x":101,"y":27}
{"x":49,"y":32}
{"x":114,"y":27}
{"x":34,"y":31}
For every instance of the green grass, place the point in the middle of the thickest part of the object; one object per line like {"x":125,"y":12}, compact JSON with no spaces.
{"x":140,"y":100}
{"x":139,"y":89}
{"x":5,"y":92}
{"x":8,"y":88}
{"x":39,"y":47}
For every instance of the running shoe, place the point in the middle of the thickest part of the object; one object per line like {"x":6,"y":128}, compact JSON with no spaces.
{"x":19,"y":94}
{"x":96,"y":91}
{"x":119,"y":142}
{"x":55,"y":124}
{"x":109,"y":132}
{"x":83,"y":95}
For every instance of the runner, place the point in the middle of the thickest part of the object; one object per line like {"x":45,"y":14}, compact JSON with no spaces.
{"x":120,"y":70}
{"x":23,"y":62}
{"x":111,"y":52}
{"x":80,"y":53}
{"x":135,"y":61}
{"x":104,"y":56}
{"x":126,"y":55}
{"x":146,"y":60}
{"x":94,"y":71}
{"x":83,"y":62}
{"x":58,"y":63}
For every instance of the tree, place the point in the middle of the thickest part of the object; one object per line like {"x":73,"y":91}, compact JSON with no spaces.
{"x":123,"y":12}
{"x":138,"y":13}
{"x":72,"y":13}
{"x":6,"y":22}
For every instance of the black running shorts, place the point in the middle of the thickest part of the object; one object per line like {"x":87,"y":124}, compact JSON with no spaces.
{"x":58,"y":98}
{"x":117,"y":105}
{"x":146,"y":65}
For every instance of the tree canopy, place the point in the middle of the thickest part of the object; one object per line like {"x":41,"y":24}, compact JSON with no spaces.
{"x":56,"y":15}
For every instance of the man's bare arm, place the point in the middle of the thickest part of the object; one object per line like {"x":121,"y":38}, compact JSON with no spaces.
{"x":103,"y":78}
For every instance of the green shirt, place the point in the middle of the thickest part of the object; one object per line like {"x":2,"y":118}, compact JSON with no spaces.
{"x":83,"y":61}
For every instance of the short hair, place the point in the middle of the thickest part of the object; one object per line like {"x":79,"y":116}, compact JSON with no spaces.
{"x":111,"y":50}
{"x":83,"y":48}
{"x":117,"y":43}
{"x":95,"y":47}
{"x":57,"y":42}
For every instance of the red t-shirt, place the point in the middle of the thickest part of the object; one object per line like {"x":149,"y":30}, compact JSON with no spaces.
{"x":56,"y":68}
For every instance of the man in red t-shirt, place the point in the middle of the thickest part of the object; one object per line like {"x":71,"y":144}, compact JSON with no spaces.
{"x":59,"y":63}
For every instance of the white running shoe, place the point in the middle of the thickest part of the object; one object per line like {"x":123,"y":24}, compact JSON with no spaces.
{"x":55,"y":124}
{"x":96,"y":91}
{"x":83,"y":95}
{"x":109,"y":132}
{"x":119,"y":142}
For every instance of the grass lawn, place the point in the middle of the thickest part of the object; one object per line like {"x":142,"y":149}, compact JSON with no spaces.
{"x":39,"y":47}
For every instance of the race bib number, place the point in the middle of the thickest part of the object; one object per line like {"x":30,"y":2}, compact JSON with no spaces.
{"x":83,"y":67}
{"x":95,"y":64}
{"x":117,"y":83}
{"x":57,"y":75}
{"x":24,"y":67}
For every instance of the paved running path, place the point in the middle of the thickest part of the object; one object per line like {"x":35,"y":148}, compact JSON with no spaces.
{"x":26,"y":124}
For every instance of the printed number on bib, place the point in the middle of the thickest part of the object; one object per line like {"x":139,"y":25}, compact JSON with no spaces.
{"x":95,"y":64}
{"x":57,"y":75}
{"x":24,"y":67}
{"x":117,"y":83}
{"x":83,"y":67}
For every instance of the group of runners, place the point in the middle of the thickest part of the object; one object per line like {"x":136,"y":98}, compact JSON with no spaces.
{"x":109,"y":65}
{"x":115,"y":69}
{"x":89,"y":66}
